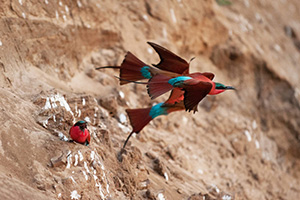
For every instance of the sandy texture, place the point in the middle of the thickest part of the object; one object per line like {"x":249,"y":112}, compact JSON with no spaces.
{"x":240,"y":145}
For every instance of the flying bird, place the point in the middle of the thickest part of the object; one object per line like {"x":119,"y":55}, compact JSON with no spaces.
{"x":79,"y":133}
{"x":171,"y":73}
{"x":194,"y":87}
{"x":133,"y":69}
{"x":140,"y":117}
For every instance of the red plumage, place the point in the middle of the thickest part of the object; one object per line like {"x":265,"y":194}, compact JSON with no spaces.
{"x":139,"y":118}
{"x":158,"y":85}
{"x":130,"y":69}
{"x":79,"y":133}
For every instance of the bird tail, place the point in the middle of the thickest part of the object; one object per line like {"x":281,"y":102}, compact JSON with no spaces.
{"x":139,"y":118}
{"x":158,"y":85}
{"x":130,"y":69}
{"x":110,"y":67}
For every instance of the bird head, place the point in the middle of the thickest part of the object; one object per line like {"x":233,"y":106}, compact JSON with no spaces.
{"x":219,"y":88}
{"x":81,"y":124}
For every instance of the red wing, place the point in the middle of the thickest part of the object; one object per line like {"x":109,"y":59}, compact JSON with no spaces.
{"x":194,"y":94}
{"x":170,"y":61}
{"x":208,"y":75}
{"x":176,"y":96}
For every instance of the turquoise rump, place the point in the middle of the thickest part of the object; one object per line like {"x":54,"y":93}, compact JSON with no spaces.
{"x":145,"y":72}
{"x":157,"y":110}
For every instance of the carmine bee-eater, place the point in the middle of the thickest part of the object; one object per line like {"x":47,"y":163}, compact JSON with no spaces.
{"x":79,"y":133}
{"x":195,"y":87}
{"x":171,"y":73}
{"x":140,"y":117}
{"x":132,"y":69}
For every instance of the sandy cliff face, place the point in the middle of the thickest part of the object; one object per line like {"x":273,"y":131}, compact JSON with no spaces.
{"x":240,"y":145}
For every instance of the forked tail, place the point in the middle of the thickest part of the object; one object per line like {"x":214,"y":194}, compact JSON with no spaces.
{"x":131,"y":69}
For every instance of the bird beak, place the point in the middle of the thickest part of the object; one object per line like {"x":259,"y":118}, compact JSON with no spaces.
{"x":229,"y":88}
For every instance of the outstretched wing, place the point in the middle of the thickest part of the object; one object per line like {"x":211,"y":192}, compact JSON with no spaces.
{"x":170,"y":61}
{"x":194,"y":93}
{"x":208,"y":75}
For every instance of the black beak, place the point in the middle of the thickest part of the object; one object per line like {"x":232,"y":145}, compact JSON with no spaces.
{"x":229,"y":88}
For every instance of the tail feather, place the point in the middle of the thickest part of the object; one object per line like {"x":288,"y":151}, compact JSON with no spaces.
{"x":139,"y":118}
{"x":158,"y":85}
{"x":110,"y":67}
{"x":130,"y":69}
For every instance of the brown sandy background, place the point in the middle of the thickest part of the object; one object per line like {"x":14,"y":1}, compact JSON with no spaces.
{"x":240,"y":145}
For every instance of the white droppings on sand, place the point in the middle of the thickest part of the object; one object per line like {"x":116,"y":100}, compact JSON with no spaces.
{"x":248,"y":135}
{"x":124,"y":128}
{"x":59,"y":195}
{"x":166,"y":176}
{"x":80,"y":156}
{"x":226,"y":197}
{"x":56,"y":14}
{"x":216,"y":188}
{"x":62,"y":137}
{"x":92,"y":155}
{"x":184,"y":120}
{"x":76,"y":160}
{"x":23,"y":15}
{"x":79,"y":113}
{"x":86,"y":167}
{"x":200,"y":171}
{"x":165,"y":33}
{"x":65,"y":17}
{"x":258,"y":17}
{"x":85,"y":175}
{"x":96,"y":109}
{"x":87,"y":119}
{"x":123,"y":118}
{"x":73,"y":180}
{"x":145,"y":17}
{"x":47,"y":104}
{"x":277,"y":47}
{"x":0,"y":43}
{"x":46,"y":2}
{"x":66,"y":8}
{"x":259,"y":49}
{"x":69,"y":161}
{"x":45,"y":122}
{"x":257,"y":144}
{"x":150,"y":50}
{"x":21,"y":2}
{"x":75,"y":195}
{"x":51,"y":103}
{"x":79,"y":4}
{"x":160,"y":196}
{"x":60,"y":3}
{"x":173,"y":15}
{"x":83,"y":101}
{"x":122,"y":95}
{"x":254,"y":125}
